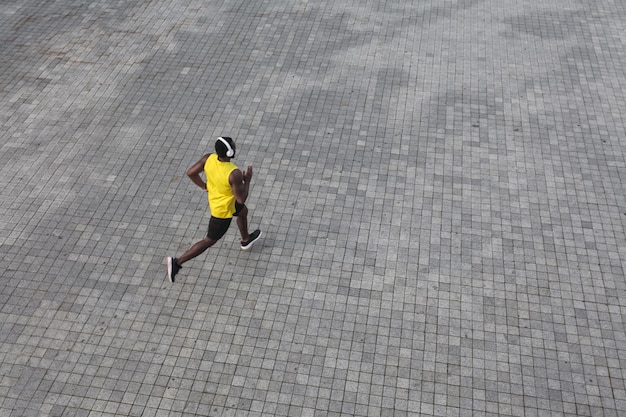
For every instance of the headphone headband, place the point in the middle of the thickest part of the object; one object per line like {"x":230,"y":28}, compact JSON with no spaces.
{"x":229,"y":152}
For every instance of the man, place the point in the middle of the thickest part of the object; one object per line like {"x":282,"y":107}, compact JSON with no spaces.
{"x":227,"y":189}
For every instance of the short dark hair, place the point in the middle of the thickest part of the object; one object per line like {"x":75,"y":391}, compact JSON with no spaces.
{"x":221,"y":149}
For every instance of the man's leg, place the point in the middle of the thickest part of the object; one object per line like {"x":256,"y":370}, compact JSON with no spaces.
{"x":247,"y":239}
{"x":197,"y":249}
{"x":242,"y":223}
{"x":217,"y":229}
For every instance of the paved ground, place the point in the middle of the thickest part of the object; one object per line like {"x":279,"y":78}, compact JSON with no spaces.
{"x":441,"y":186}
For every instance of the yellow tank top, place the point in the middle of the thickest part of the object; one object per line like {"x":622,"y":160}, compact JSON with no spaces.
{"x":221,"y":197}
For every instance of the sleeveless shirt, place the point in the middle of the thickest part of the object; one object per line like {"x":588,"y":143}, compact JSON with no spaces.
{"x":221,"y":197}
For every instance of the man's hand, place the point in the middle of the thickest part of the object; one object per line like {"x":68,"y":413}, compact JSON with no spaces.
{"x":247,"y":176}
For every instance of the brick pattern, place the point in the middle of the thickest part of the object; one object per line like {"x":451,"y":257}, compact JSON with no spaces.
{"x":440,"y":185}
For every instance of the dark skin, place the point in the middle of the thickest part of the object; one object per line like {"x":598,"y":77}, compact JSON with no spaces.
{"x":240,"y":185}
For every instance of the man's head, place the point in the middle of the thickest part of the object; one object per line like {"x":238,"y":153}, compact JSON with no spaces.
{"x":225,"y":147}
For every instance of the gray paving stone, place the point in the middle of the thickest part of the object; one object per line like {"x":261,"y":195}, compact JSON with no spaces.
{"x":440,"y":185}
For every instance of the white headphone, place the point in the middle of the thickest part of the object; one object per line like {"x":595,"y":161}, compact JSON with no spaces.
{"x":230,"y":151}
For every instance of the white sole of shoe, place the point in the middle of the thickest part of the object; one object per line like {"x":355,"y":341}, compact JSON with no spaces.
{"x":251,"y":244}
{"x":168,"y":262}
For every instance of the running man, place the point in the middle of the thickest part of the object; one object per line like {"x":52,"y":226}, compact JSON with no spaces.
{"x":227,"y":189}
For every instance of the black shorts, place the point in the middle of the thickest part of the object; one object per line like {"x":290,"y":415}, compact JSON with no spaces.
{"x":218,"y":227}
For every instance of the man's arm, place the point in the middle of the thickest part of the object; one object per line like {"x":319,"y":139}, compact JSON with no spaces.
{"x":240,"y":184}
{"x":196,"y":169}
